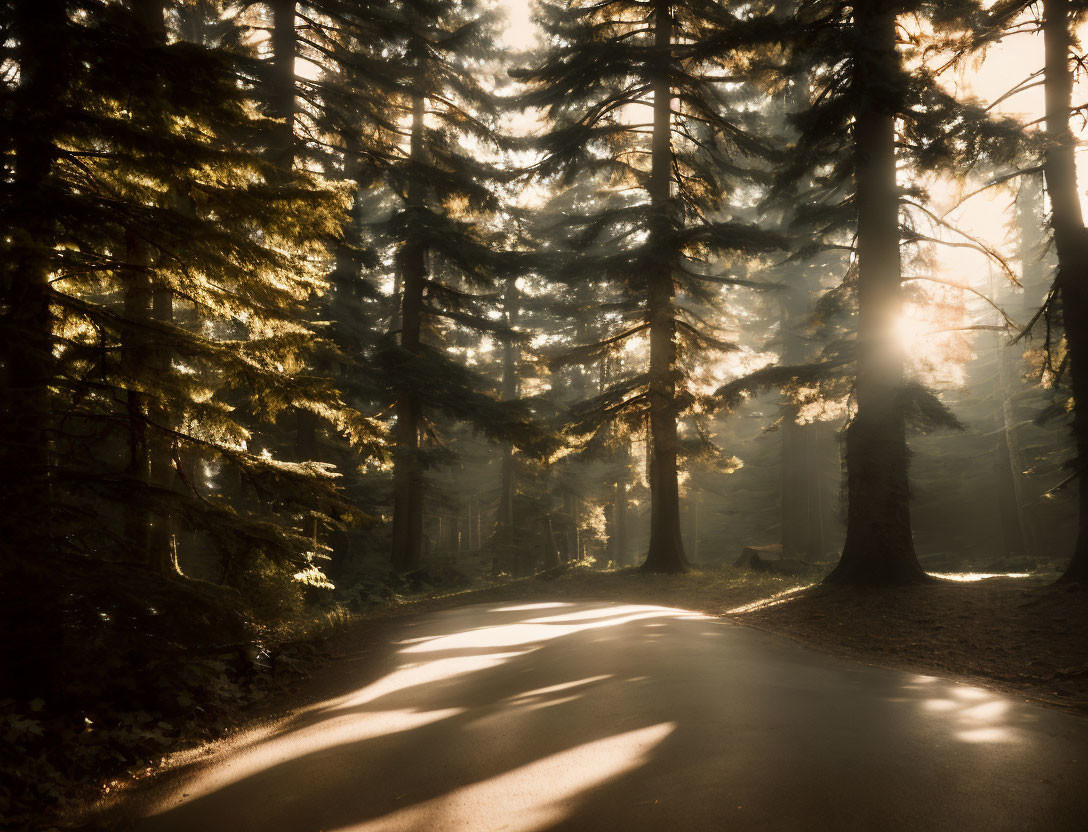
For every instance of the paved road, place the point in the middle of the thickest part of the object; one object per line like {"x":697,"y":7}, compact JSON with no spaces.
{"x":593,"y":716}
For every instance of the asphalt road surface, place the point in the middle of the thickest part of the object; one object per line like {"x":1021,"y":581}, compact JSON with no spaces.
{"x":596,"y":716}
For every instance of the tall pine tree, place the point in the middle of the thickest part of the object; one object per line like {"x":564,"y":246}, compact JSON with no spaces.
{"x":660,"y":125}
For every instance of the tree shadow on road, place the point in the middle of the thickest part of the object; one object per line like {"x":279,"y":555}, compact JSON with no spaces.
{"x":603,"y":716}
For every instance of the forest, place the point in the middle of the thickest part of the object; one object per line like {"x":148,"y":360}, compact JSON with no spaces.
{"x":315,"y":309}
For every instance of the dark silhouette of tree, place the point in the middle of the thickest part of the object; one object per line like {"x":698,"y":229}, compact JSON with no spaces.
{"x":850,"y":145}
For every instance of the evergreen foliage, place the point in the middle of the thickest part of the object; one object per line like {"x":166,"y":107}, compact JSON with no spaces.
{"x":306,"y":306}
{"x":662,"y":129}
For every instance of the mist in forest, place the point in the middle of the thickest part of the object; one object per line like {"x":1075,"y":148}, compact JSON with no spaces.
{"x":309,"y":308}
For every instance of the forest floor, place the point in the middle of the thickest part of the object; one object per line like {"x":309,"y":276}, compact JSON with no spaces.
{"x":1016,"y":635}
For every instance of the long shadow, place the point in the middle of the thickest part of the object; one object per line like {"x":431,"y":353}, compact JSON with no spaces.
{"x":596,"y":716}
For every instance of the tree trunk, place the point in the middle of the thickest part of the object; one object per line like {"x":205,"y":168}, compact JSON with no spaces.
{"x":407,"y":465}
{"x":135,"y":365}
{"x":28,"y":566}
{"x":282,"y":93}
{"x":1071,"y":242}
{"x":619,"y":524}
{"x":151,"y":300}
{"x":1033,"y":278}
{"x":551,"y":552}
{"x":666,"y":548}
{"x":39,"y":30}
{"x":879,"y":548}
{"x":1006,"y":466}
{"x":284,"y":108}
{"x":504,"y":520}
{"x":695,"y":505}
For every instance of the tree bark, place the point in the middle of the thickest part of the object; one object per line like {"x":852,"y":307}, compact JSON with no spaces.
{"x":407,"y":465}
{"x":282,"y":90}
{"x":284,"y":108}
{"x":1006,"y":466}
{"x":666,"y":548}
{"x":39,"y":30}
{"x":879,"y":548}
{"x":619,"y":524}
{"x":504,"y":520}
{"x":148,"y":299}
{"x":28,"y":562}
{"x":135,"y":365}
{"x":1071,"y":243}
{"x":1033,"y":278}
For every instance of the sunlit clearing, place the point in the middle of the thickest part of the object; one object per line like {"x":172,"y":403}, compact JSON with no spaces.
{"x":977,"y":576}
{"x":535,"y":796}
{"x":770,"y":601}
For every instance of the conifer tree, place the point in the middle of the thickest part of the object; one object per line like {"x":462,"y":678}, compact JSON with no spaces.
{"x":869,"y":112}
{"x":1060,"y":18}
{"x":439,"y":130}
{"x":636,"y":106}
{"x":159,"y":202}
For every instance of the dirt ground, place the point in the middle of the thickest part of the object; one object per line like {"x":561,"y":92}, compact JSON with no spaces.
{"x":1012,"y":634}
{"x":1022,"y":636}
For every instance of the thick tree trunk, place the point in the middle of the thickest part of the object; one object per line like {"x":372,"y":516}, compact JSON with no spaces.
{"x":281,"y":151}
{"x":39,"y":30}
{"x":666,"y":548}
{"x":408,"y":468}
{"x":879,"y":548}
{"x":135,"y":364}
{"x":1071,"y":242}
{"x":28,"y":564}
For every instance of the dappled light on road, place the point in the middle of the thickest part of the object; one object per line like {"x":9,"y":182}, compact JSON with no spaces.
{"x":535,"y":630}
{"x":975,"y":715}
{"x":534,"y":796}
{"x":597,"y":716}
